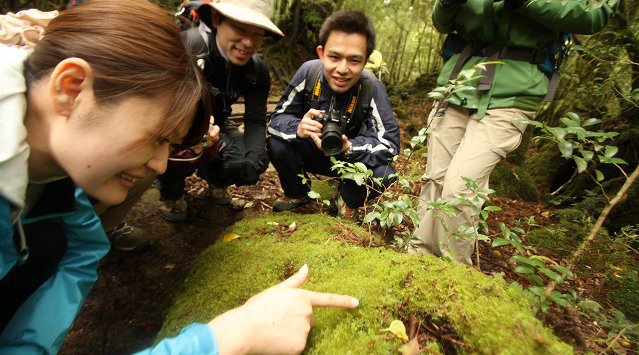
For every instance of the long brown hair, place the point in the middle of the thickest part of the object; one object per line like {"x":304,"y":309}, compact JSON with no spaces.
{"x":134,"y":49}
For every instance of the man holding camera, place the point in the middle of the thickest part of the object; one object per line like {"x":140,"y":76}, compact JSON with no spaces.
{"x":334,"y":97}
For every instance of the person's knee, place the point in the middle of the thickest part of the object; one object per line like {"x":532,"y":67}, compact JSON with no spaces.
{"x":277,"y":148}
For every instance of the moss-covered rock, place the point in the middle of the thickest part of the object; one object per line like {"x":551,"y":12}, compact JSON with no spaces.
{"x":488,"y":315}
{"x":513,"y":182}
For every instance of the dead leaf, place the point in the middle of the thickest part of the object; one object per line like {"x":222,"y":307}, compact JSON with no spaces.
{"x":398,"y":329}
{"x":229,"y":237}
{"x":292,"y":227}
{"x":410,"y":348}
{"x":169,"y":267}
{"x":273,"y":224}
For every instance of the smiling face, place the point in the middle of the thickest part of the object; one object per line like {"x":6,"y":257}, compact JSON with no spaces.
{"x":237,"y":40}
{"x":106,"y":149}
{"x":343,"y":58}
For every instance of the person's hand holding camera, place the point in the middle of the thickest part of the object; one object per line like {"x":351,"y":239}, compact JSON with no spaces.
{"x":309,"y":126}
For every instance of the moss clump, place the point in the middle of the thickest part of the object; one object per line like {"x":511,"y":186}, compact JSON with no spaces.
{"x":513,"y":182}
{"x":326,"y":188}
{"x":488,"y":315}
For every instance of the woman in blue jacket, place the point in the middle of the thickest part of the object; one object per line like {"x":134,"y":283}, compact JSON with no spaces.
{"x":94,"y":107}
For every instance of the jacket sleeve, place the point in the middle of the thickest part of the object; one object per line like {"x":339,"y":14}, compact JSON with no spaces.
{"x":42,"y":322}
{"x":291,"y":108}
{"x":378,"y":141}
{"x":255,"y":113}
{"x":573,"y":16}
{"x":444,"y":17}
{"x":197,"y":338}
{"x":8,"y":256}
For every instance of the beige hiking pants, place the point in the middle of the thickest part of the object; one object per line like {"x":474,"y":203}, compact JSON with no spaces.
{"x":461,"y":146}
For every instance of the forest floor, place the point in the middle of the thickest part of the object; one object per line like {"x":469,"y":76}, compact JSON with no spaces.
{"x":126,"y":307}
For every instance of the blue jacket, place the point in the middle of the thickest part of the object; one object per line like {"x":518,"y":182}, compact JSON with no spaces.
{"x":376,"y":141}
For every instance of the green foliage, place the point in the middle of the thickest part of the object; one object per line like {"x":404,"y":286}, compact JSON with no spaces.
{"x":484,"y":311}
{"x":576,"y":142}
{"x":405,"y":36}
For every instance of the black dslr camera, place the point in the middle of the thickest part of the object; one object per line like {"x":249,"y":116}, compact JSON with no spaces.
{"x":334,"y":126}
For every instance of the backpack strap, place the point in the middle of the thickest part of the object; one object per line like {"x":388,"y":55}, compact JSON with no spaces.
{"x":368,"y":81}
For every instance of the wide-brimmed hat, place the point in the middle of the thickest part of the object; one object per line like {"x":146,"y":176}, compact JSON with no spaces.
{"x":253,"y":12}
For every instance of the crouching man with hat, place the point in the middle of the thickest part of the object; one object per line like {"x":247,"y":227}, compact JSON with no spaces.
{"x":228,"y":36}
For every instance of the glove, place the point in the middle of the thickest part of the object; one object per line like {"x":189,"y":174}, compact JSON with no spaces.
{"x":515,"y":4}
{"x":449,"y":3}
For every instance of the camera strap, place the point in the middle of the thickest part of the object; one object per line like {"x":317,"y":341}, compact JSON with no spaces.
{"x":352,"y":101}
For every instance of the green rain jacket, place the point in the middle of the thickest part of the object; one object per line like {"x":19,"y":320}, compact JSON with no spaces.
{"x":535,"y":24}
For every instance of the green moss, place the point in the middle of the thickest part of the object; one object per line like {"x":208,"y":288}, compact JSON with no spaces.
{"x":625,"y":294}
{"x":327,"y":188}
{"x":513,"y":182}
{"x":487,"y":314}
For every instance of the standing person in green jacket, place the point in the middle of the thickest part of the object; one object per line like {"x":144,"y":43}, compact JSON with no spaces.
{"x":478,"y":128}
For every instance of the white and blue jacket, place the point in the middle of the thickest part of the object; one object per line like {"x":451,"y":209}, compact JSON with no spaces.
{"x":375,"y":138}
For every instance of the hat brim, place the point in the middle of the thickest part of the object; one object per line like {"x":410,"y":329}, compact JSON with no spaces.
{"x":247,"y":16}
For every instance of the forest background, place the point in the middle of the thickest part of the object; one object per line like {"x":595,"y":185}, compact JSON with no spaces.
{"x":600,"y":79}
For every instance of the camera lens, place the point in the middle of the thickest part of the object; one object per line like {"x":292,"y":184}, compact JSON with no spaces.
{"x":332,"y":142}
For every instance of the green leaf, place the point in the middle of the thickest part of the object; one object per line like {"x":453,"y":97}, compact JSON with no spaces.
{"x":581,"y":164}
{"x":590,"y":122}
{"x":551,"y":274}
{"x":565,"y":148}
{"x":617,"y":161}
{"x":569,"y":122}
{"x":537,"y":291}
{"x":314,"y":195}
{"x":599,"y":175}
{"x":610,"y":151}
{"x":573,"y":116}
{"x":500,"y":242}
{"x":588,"y":155}
{"x":529,"y":261}
{"x":536,"y":279}
{"x":435,"y":96}
{"x":525,"y":269}
{"x":492,"y":208}
{"x":563,"y":270}
{"x":371,"y":217}
{"x":558,"y":298}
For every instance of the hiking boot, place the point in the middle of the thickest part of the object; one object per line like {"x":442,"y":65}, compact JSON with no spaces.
{"x":346,"y":212}
{"x":219,"y":196}
{"x":127,"y":238}
{"x":286,"y":203}
{"x":174,"y":210}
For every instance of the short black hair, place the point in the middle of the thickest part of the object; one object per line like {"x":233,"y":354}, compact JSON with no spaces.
{"x":349,"y":21}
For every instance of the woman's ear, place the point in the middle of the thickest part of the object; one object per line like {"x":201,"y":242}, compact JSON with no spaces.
{"x":70,"y":80}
